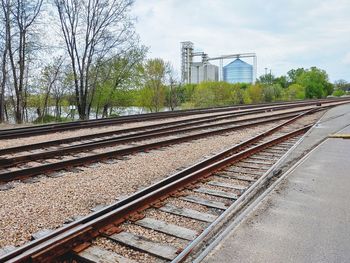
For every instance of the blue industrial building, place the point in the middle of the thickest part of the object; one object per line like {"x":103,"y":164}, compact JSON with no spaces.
{"x":238,"y":71}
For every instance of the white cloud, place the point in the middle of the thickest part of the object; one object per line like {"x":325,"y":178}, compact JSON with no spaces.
{"x":284,"y":34}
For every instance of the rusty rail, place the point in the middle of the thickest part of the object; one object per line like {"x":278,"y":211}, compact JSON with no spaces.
{"x":165,"y":126}
{"x":66,"y":164}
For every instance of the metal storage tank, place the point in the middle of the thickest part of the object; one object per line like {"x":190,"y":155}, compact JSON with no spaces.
{"x":201,"y":72}
{"x":238,"y":71}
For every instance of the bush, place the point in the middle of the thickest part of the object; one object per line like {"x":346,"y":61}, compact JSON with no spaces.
{"x":272,"y":92}
{"x":295,"y":92}
{"x":338,"y":93}
{"x":255,"y":93}
{"x":211,"y":94}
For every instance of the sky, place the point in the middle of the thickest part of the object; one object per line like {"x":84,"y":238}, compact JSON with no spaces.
{"x":283,"y":34}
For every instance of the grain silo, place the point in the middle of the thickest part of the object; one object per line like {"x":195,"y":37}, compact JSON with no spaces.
{"x":238,"y":71}
{"x":196,"y":72}
{"x":203,"y":72}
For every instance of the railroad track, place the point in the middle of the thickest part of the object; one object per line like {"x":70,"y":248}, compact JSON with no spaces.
{"x":51,"y":128}
{"x":160,"y":127}
{"x":165,"y":221}
{"x":21,"y":164}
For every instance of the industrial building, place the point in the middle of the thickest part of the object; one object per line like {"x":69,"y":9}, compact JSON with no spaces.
{"x":196,"y":72}
{"x":238,"y":71}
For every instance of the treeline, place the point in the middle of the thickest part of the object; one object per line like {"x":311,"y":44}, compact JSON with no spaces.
{"x":152,"y":84}
{"x":298,"y":84}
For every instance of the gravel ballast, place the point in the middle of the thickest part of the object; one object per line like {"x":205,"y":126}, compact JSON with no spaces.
{"x":48,"y":203}
{"x":28,"y":208}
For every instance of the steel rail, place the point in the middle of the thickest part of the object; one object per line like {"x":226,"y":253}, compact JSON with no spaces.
{"x":49,"y":128}
{"x":66,"y":164}
{"x":65,"y":239}
{"x":168,"y":125}
{"x":5,"y":162}
{"x":25,"y":252}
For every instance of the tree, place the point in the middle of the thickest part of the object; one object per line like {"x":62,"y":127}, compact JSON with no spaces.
{"x":293,"y":74}
{"x":93,"y":30}
{"x":19,"y":19}
{"x":282,"y":81}
{"x":152,"y":95}
{"x":50,"y":76}
{"x":116,"y":76}
{"x":266,"y":79}
{"x":173,"y":90}
{"x":341,"y":84}
{"x":62,"y":88}
{"x":315,"y":82}
{"x":4,"y":34}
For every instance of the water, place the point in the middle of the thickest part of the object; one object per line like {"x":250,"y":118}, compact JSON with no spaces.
{"x":66,"y":112}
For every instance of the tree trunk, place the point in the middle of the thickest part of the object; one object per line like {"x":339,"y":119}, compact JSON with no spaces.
{"x":105,"y":111}
{"x":2,"y":88}
{"x":6,"y":113}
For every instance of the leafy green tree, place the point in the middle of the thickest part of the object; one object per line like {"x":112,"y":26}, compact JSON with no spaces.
{"x":315,"y":82}
{"x":152,"y":95}
{"x":293,"y":74}
{"x":114,"y":78}
{"x":266,"y":79}
{"x":282,"y":81}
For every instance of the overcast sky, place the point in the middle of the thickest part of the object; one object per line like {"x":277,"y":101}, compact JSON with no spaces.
{"x":284,"y":34}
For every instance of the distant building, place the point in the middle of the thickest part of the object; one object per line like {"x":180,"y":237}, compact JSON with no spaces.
{"x":203,"y":72}
{"x":238,"y":71}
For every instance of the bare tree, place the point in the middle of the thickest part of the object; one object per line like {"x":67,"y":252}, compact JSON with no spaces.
{"x":49,"y":80}
{"x":5,"y":6}
{"x":19,"y":21}
{"x":92,"y":30}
